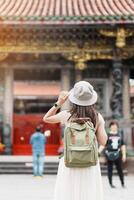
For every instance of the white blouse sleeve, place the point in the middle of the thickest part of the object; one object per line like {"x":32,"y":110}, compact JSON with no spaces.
{"x":63,"y":116}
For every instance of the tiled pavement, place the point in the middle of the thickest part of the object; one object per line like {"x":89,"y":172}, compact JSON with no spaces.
{"x":26,"y":187}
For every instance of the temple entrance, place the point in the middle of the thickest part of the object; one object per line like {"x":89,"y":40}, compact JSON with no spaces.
{"x":24,"y":127}
{"x":32,"y":99}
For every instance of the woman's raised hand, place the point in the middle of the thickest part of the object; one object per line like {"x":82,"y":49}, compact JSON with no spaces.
{"x":63,"y":96}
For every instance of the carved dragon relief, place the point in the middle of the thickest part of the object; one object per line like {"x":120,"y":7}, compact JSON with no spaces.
{"x":116,"y":100}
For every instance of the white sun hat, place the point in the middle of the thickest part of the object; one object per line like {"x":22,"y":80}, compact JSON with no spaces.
{"x":83,"y":94}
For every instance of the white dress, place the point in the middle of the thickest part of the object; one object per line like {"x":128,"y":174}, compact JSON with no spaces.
{"x":78,"y":183}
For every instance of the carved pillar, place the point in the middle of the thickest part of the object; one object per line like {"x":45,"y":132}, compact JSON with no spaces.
{"x":1,"y":102}
{"x":126,"y":108}
{"x":126,"y":94}
{"x":117,"y":95}
{"x":8,"y":109}
{"x":65,"y":84}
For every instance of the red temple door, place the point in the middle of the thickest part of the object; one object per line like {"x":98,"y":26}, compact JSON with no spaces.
{"x":24,"y":127}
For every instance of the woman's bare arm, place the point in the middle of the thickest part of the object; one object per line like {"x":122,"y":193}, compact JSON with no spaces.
{"x":123,"y":150}
{"x":101,"y":148}
{"x":102,"y":137}
{"x":101,"y":133}
{"x":51,"y":116}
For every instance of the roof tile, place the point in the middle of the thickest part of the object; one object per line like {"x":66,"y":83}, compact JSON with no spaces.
{"x":69,"y":11}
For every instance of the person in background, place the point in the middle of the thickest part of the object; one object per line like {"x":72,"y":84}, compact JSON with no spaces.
{"x":38,"y":141}
{"x":115,"y":152}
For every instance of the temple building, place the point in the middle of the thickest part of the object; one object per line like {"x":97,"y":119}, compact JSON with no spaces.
{"x":48,"y":45}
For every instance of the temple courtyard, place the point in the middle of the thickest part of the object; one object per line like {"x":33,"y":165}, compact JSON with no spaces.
{"x":26,"y":187}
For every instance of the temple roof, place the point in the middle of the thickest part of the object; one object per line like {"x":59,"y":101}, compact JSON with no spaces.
{"x":66,"y":11}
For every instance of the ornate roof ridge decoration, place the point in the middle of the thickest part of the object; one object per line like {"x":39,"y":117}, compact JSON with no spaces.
{"x":67,"y":11}
{"x":121,"y":34}
{"x":80,"y":58}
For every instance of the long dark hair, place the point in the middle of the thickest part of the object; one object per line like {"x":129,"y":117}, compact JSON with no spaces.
{"x":87,"y":112}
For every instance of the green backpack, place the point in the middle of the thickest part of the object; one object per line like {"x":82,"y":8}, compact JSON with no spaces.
{"x":80,"y":145}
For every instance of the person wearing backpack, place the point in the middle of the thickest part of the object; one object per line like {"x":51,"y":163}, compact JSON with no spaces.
{"x":115,"y":152}
{"x":79,"y":176}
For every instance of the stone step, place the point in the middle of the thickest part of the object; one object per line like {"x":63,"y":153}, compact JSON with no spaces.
{"x":23,"y":171}
{"x":26,"y":168}
{"x":48,"y":171}
{"x":26,"y":165}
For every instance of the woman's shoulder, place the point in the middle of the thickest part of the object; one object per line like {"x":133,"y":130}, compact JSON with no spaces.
{"x":100,"y":122}
{"x":100,"y":119}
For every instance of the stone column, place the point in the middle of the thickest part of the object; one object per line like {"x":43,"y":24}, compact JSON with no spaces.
{"x":78,"y":75}
{"x":8,"y":109}
{"x":117,"y":95}
{"x":126,"y":94}
{"x":126,"y":108}
{"x":120,"y":100}
{"x":65,"y":84}
{"x":1,"y":102}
